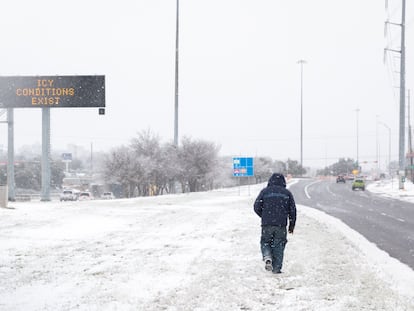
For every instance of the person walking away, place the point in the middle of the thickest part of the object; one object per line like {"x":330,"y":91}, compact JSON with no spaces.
{"x":275,"y":205}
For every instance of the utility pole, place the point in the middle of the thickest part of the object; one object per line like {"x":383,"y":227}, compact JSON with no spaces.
{"x":402,"y":102}
{"x":401,"y":142}
{"x":176,"y":79}
{"x":301,"y":62}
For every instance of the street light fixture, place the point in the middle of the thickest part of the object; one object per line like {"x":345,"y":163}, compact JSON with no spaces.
{"x":389,"y":145}
{"x":301,"y":62}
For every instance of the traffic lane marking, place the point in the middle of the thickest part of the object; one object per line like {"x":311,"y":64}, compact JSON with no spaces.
{"x":308,"y":185}
{"x":395,"y":218}
{"x":386,"y":215}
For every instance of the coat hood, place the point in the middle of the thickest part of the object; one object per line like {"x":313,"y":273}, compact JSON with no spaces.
{"x":277,"y":179}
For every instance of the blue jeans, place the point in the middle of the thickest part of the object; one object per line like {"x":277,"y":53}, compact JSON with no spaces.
{"x":272,"y":243}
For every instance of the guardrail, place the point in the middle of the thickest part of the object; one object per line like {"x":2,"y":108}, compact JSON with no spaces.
{"x":24,"y":197}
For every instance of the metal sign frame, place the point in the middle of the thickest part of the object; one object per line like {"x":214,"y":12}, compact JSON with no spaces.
{"x":46,"y":92}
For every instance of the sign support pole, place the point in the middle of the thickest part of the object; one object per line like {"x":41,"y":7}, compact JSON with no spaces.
{"x":248,"y":184}
{"x":45,"y":154}
{"x":10,"y":154}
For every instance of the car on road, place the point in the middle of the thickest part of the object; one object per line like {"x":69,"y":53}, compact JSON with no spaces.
{"x":108,"y":196}
{"x":341,"y":179}
{"x":85,"y":196}
{"x":349,"y":177}
{"x":69,"y":195}
{"x":358,"y":183}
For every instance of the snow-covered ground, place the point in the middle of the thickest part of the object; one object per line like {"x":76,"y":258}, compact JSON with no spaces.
{"x":197,"y":251}
{"x":390,"y":188}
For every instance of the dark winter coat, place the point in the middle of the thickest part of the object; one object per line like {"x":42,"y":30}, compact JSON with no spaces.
{"x":275,"y":203}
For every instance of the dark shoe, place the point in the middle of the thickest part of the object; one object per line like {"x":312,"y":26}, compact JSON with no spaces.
{"x":268,"y":264}
{"x":276,"y":271}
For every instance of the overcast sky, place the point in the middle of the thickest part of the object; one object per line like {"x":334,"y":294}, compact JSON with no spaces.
{"x":239,"y":76}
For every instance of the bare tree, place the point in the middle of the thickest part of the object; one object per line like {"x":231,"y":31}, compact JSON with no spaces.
{"x":197,"y":159}
{"x":263,"y":168}
{"x":169,"y":168}
{"x":147,"y":167}
{"x":148,"y":152}
{"x":121,"y":166}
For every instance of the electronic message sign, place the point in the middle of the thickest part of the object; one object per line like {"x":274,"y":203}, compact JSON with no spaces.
{"x":243,"y":167}
{"x":52,"y":91}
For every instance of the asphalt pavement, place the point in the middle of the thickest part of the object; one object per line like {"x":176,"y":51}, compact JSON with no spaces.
{"x":387,"y":222}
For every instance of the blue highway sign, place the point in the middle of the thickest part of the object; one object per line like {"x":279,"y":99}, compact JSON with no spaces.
{"x":243,"y":167}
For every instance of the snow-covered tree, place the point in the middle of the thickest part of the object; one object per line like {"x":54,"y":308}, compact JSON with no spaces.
{"x":294,"y":168}
{"x":197,"y":162}
{"x":121,"y":166}
{"x":263,"y":168}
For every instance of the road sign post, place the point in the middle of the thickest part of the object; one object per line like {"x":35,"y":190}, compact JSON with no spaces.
{"x":243,"y":167}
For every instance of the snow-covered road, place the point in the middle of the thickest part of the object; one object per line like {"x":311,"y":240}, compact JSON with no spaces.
{"x":196,"y":251}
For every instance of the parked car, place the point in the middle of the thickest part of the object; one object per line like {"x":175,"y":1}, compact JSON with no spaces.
{"x":341,"y":179}
{"x":358,"y":183}
{"x":69,"y":195}
{"x":85,"y":195}
{"x":108,"y":196}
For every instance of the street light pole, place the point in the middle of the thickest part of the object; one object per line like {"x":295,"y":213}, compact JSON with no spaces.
{"x":176,"y":79}
{"x":357,"y":137}
{"x":410,"y":145}
{"x":377,"y":145}
{"x":301,"y":62}
{"x":389,"y":145}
